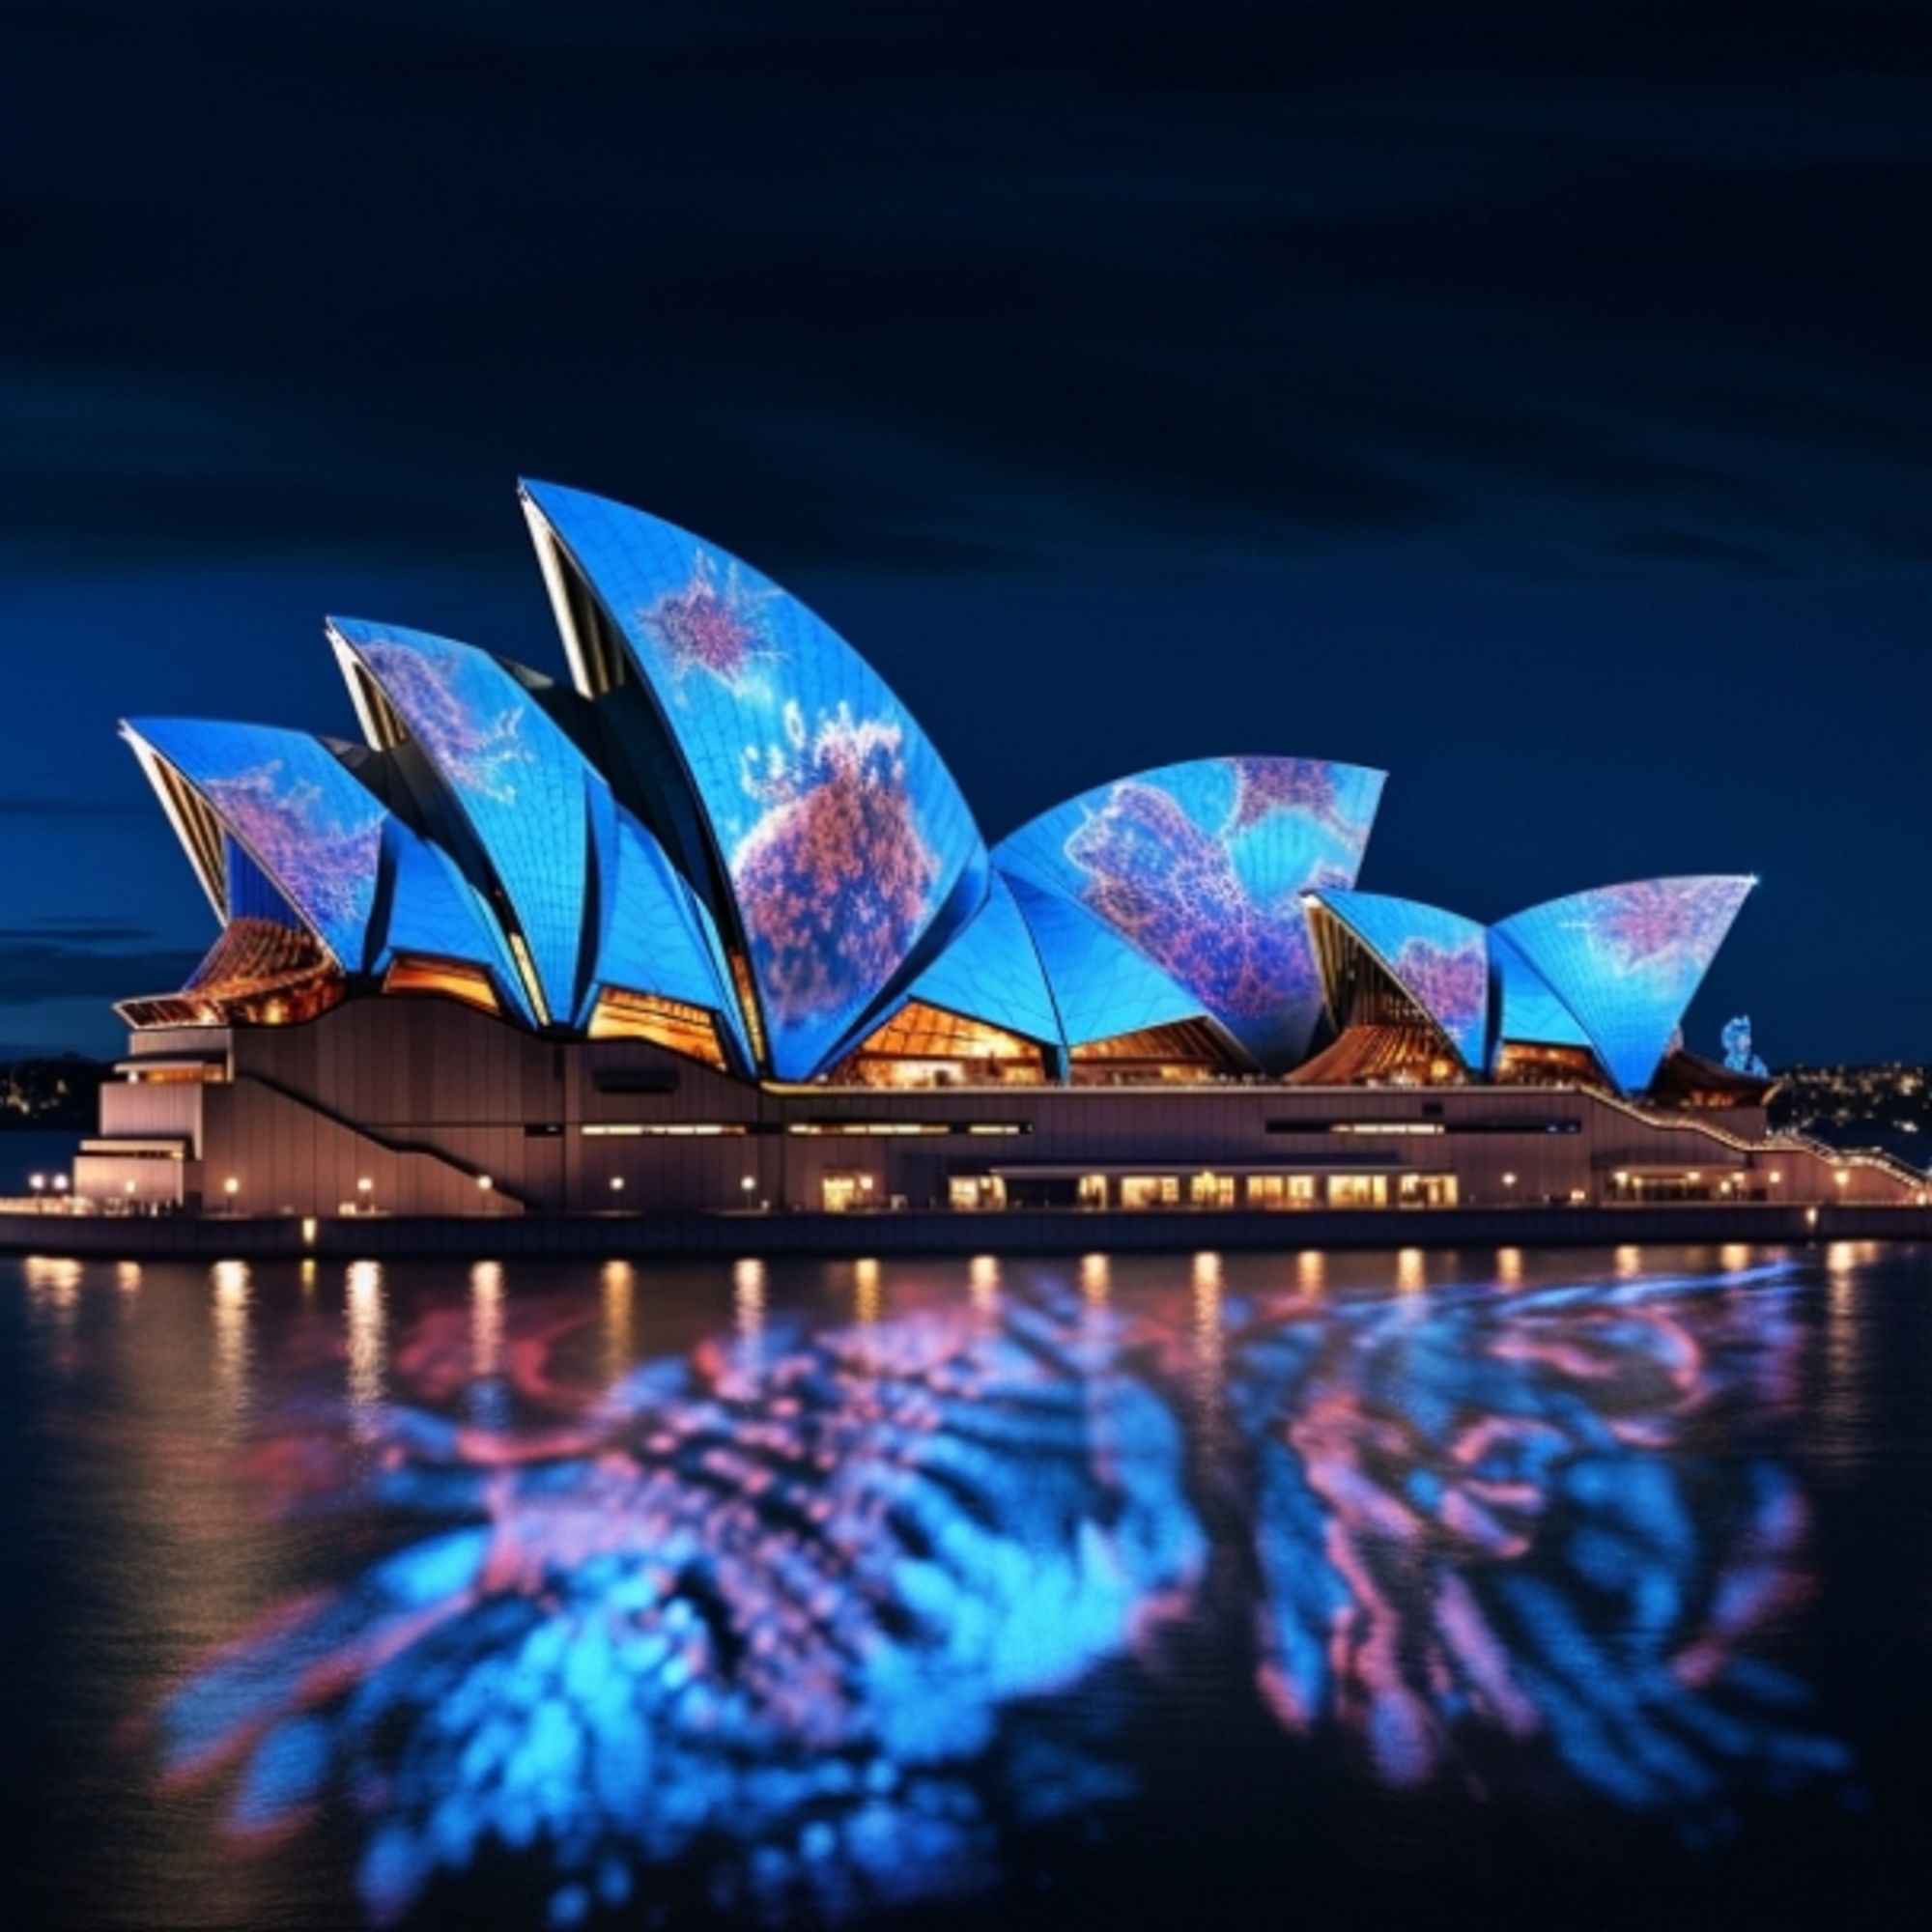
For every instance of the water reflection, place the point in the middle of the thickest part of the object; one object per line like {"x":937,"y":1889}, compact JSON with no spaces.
{"x":1482,"y":1524}
{"x":813,"y":1603}
{"x":982,"y":1281}
{"x":368,"y":1344}
{"x":486,"y":1320}
{"x":865,"y":1302}
{"x":619,"y":1285}
{"x":747,"y":1299}
{"x":53,"y":1302}
{"x":1094,"y":1277}
{"x":232,"y":1292}
{"x":1208,"y":1352}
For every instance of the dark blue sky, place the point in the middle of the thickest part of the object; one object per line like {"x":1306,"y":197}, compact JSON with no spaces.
{"x":1532,"y":401}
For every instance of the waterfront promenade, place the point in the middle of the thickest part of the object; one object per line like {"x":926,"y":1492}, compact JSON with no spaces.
{"x":916,"y":1231}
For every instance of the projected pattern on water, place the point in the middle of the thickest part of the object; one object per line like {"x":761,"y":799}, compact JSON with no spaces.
{"x":786,"y":1604}
{"x":809,"y":1608}
{"x":1510,"y":1548}
{"x":1202,"y":867}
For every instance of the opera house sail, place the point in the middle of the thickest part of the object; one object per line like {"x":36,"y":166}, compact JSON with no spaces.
{"x":711,"y":921}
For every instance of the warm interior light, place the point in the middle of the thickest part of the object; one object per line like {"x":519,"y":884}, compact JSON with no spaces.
{"x":671,"y":1024}
{"x":928,"y":1046}
{"x":453,"y":980}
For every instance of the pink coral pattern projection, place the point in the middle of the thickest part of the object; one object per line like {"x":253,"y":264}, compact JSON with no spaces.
{"x":713,"y":623}
{"x":1201,"y":869}
{"x":812,"y":1606}
{"x":1174,"y":891}
{"x":1565,"y":1424}
{"x":476,"y":747}
{"x":1451,"y":982}
{"x":1304,"y":785}
{"x":834,"y":877}
{"x":325,"y":858}
{"x":782,"y":1608}
{"x":1654,"y":924}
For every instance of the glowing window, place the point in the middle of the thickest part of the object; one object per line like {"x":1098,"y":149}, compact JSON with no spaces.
{"x":926,"y":1046}
{"x":471,"y":984}
{"x":666,"y":1023}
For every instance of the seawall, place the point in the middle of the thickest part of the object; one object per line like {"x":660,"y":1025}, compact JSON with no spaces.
{"x":138,"y":1237}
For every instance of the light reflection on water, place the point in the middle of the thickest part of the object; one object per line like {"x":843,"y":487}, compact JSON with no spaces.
{"x":232,"y":1287}
{"x":368,"y":1346}
{"x":841,"y":1602}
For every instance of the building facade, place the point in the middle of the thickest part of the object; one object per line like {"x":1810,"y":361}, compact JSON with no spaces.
{"x":711,"y":928}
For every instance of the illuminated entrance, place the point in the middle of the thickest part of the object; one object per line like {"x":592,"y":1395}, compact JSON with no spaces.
{"x":842,"y":1189}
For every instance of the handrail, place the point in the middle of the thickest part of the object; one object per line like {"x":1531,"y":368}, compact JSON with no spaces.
{"x":1886,"y":1163}
{"x":389,"y":1143}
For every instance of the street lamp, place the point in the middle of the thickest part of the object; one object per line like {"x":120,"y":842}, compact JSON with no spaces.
{"x":366,"y":1189}
{"x":616,"y":1183}
{"x":37,"y":1181}
{"x":231,"y":1187}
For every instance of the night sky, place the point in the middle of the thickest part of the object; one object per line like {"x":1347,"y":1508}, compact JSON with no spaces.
{"x":1530,"y":401}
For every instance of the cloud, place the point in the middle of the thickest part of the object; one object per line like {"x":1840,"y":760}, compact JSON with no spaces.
{"x":914,"y":292}
{"x":65,"y":929}
{"x":36,"y":972}
{"x":46,"y":804}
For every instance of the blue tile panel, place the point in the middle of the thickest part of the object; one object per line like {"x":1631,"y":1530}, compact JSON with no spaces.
{"x":840,"y":828}
{"x":1101,"y":986}
{"x":516,"y":778}
{"x":298,"y":811}
{"x":653,"y":935}
{"x":250,"y":893}
{"x":992,"y":972}
{"x":1627,"y":959}
{"x":1201,"y":869}
{"x":1528,"y":1011}
{"x":1441,"y":959}
{"x":434,"y":912}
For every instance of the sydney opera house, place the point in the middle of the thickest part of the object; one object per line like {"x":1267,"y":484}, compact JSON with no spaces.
{"x":711,"y":928}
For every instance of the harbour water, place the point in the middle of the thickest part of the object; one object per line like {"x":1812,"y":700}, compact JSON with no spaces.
{"x":1500,"y":1588}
